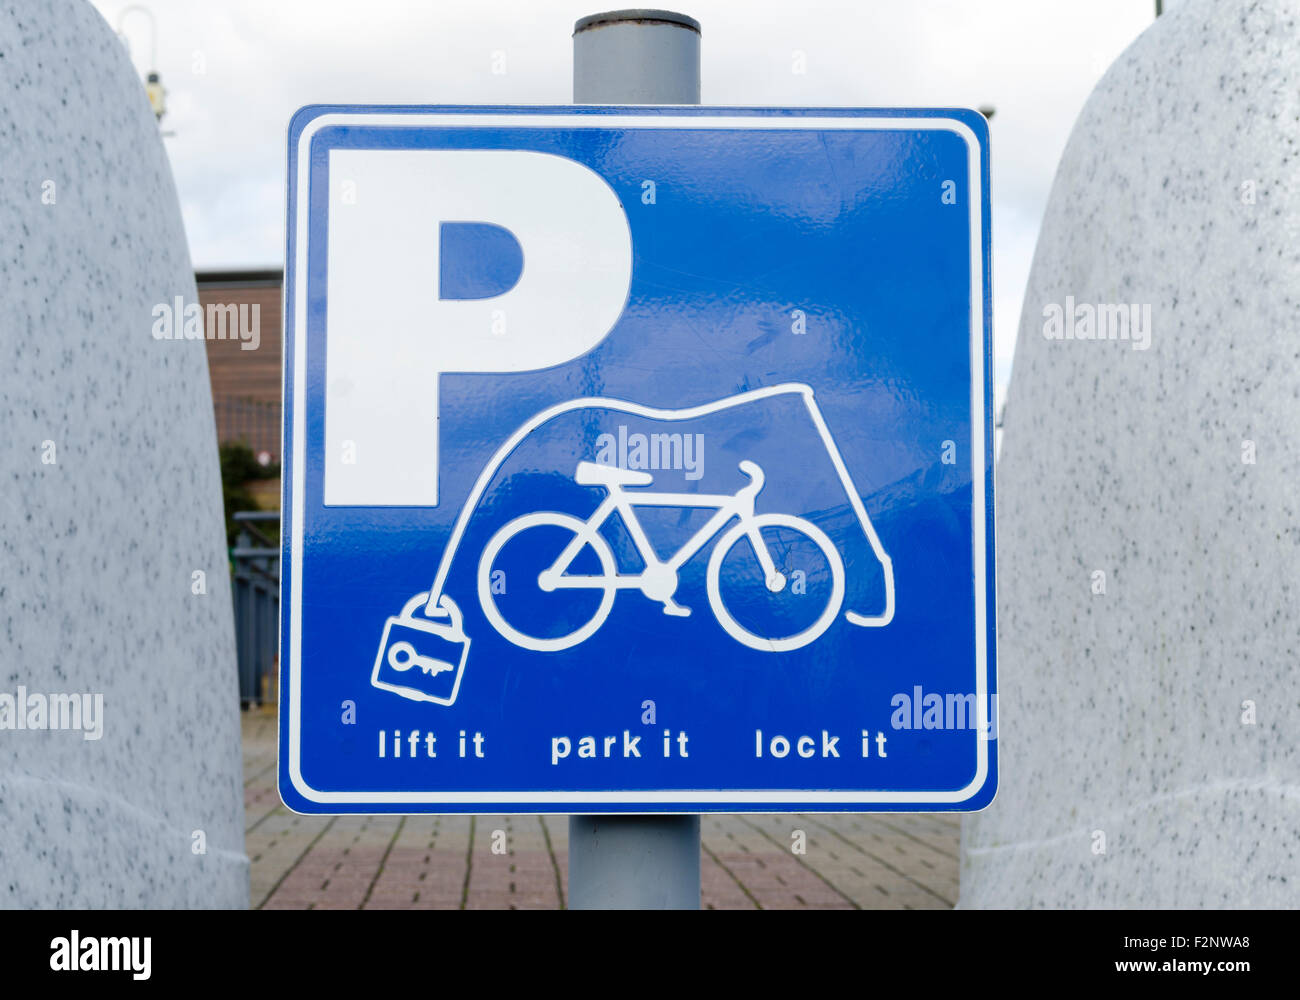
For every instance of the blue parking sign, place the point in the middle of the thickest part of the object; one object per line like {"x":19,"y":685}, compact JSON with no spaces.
{"x":637,"y":459}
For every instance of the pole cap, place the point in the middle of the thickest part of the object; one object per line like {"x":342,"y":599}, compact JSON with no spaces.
{"x":636,"y":15}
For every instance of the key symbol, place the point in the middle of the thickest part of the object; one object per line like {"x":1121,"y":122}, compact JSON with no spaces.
{"x":403,"y":657}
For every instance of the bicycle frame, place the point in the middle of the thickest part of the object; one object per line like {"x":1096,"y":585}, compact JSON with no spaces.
{"x":739,"y":505}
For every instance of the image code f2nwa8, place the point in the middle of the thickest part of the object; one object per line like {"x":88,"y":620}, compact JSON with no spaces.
{"x":635,"y":459}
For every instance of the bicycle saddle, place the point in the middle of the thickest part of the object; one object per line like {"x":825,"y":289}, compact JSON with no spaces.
{"x":595,"y":474}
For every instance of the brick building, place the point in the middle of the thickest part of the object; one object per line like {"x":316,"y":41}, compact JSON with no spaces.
{"x":246,"y":383}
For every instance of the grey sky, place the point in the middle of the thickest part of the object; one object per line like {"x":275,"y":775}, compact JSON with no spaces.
{"x":236,"y":70}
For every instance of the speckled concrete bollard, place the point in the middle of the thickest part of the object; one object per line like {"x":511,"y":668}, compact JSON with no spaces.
{"x":1149,"y":499}
{"x":120,"y":775}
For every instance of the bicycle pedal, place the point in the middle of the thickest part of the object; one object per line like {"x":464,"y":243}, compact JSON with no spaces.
{"x":676,"y":610}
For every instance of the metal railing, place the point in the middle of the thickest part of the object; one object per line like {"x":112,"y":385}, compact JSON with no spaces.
{"x":255,"y":586}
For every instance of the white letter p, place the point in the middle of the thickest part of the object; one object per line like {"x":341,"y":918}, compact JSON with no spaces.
{"x":389,"y":333}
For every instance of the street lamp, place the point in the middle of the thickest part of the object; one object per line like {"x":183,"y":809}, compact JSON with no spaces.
{"x":153,"y":87}
{"x":157,"y":94}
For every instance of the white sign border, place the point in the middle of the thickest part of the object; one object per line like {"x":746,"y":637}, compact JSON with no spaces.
{"x":706,"y":797}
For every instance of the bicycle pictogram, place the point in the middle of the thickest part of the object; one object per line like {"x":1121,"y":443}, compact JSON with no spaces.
{"x":659,"y":578}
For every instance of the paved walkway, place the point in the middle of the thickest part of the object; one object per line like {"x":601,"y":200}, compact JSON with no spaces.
{"x":895,"y":861}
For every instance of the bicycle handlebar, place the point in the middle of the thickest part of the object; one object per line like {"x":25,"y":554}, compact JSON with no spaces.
{"x":755,"y":473}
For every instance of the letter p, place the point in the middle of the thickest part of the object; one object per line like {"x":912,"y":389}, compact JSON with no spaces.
{"x":392,"y":327}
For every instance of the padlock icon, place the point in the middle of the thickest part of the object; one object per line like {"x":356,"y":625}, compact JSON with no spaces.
{"x":422,"y":658}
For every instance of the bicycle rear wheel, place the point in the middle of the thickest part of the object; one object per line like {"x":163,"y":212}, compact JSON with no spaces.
{"x":749,"y":531}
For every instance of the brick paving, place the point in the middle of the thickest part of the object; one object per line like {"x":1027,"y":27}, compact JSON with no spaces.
{"x":851,"y":861}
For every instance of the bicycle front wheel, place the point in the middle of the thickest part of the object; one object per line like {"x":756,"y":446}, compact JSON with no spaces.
{"x":509,"y":576}
{"x":791,"y":534}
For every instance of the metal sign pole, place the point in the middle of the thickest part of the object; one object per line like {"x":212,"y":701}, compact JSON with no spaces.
{"x":635,"y":862}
